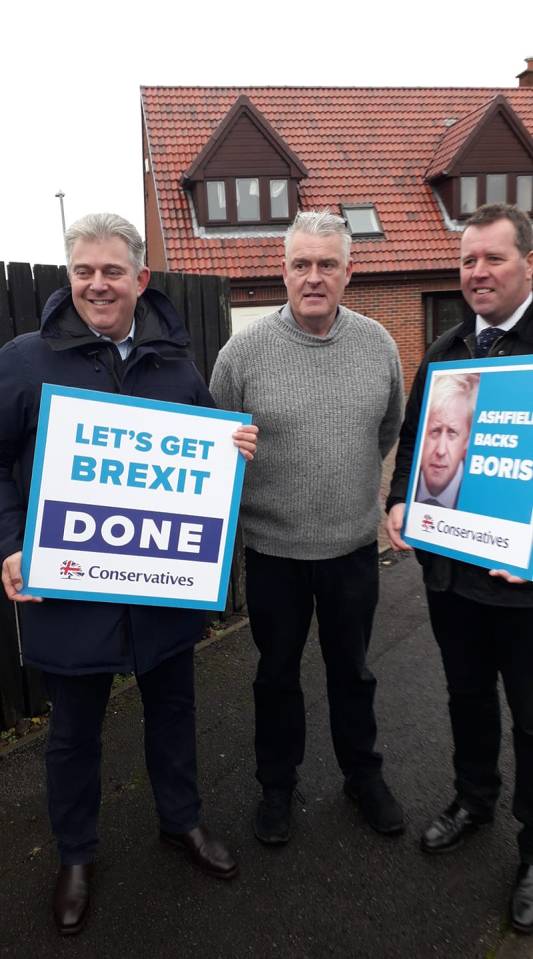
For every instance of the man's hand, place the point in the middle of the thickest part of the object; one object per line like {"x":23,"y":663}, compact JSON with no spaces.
{"x":508,"y":577}
{"x":245,"y":439}
{"x":12,"y":580}
{"x":394,"y":527}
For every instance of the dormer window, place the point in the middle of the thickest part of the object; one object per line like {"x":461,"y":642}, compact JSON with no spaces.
{"x":524,"y":193}
{"x":496,"y":191}
{"x":216,"y":199}
{"x":485,"y":157}
{"x":248,"y":200}
{"x":362,"y":220}
{"x":469,"y":201}
{"x":494,"y":188}
{"x":247,"y":193}
{"x":279,"y":199}
{"x":246,"y":175}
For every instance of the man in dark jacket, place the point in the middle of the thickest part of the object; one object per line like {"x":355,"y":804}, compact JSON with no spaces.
{"x":108,"y":333}
{"x":482,"y":620}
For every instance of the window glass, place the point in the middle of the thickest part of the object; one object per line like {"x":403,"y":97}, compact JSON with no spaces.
{"x":247,"y":199}
{"x":279,"y":199}
{"x":444,"y":310}
{"x":468,"y":194}
{"x":216,"y":199}
{"x":496,"y":187}
{"x":362,"y":220}
{"x":524,"y":193}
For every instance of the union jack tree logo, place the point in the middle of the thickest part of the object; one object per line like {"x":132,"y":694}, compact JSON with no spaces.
{"x":70,"y":570}
{"x":427,"y":523}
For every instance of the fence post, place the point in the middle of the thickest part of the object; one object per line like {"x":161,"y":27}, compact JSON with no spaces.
{"x":22,"y":297}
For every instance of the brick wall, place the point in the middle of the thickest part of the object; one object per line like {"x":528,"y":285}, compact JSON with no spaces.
{"x":397,"y":304}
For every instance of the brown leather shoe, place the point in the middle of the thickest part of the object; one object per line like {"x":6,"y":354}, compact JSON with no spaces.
{"x":209,"y":854}
{"x":71,"y":898}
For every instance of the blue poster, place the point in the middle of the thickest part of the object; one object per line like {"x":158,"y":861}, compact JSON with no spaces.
{"x":470,"y":492}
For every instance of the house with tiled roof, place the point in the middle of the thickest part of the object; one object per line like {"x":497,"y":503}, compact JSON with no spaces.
{"x":226,"y":169}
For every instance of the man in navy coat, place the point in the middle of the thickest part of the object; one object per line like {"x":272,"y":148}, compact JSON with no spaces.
{"x":482,"y":620}
{"x":109,"y":333}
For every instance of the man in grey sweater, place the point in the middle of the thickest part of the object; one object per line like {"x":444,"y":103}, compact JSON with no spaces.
{"x":324,"y":386}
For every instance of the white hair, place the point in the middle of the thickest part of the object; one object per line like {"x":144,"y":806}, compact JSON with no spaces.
{"x":320,"y":223}
{"x":449,"y":386}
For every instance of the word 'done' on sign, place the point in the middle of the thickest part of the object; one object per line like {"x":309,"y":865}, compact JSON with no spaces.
{"x":103,"y":529}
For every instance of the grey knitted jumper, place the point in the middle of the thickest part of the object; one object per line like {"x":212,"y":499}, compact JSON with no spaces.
{"x":328,"y":409}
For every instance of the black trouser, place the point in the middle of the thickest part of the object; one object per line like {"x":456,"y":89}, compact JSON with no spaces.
{"x":281,"y":594}
{"x":74,"y":750}
{"x":477,"y":642}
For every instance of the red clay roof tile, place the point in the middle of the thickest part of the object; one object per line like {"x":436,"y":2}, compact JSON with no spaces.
{"x":359,"y":145}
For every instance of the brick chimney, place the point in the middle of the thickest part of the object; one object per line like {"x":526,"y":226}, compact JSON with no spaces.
{"x":525,"y":79}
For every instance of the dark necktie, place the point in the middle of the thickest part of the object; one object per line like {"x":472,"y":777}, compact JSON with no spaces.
{"x":485,"y":340}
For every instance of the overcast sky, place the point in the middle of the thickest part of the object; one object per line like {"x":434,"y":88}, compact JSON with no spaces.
{"x":71,"y":74}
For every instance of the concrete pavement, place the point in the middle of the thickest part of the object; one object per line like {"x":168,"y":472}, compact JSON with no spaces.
{"x":337,"y":890}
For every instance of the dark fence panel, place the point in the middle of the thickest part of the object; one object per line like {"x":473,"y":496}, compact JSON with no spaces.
{"x":48,"y":279}
{"x":22,"y":297}
{"x":204,"y":303}
{"x":193,"y":306}
{"x":6,"y":323}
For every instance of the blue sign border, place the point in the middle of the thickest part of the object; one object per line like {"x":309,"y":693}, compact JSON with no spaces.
{"x":478,"y":365}
{"x":49,"y":391}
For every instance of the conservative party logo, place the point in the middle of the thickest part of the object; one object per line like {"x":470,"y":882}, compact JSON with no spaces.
{"x":70,"y":570}
{"x":427,"y":523}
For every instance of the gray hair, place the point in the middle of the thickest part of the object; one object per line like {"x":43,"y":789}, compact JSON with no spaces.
{"x":320,"y":223}
{"x":97,"y":226}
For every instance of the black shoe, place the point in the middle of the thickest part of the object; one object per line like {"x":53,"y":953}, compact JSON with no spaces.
{"x":71,"y":898}
{"x":378,"y":805}
{"x":450,"y":828}
{"x":522,"y":899}
{"x":209,"y":854}
{"x":272,"y":824}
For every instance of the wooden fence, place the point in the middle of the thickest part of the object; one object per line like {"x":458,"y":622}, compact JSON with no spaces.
{"x":204,"y":303}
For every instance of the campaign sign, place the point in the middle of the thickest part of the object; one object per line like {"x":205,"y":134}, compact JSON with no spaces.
{"x":470,"y":491}
{"x":132,"y":500}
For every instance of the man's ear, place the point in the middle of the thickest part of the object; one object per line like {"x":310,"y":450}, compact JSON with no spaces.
{"x":349,"y":270}
{"x":143,"y":280}
{"x":529,"y":261}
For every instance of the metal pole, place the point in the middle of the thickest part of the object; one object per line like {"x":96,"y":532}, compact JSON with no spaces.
{"x":60,"y":195}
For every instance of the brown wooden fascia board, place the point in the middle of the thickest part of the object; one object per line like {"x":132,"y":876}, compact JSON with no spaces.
{"x":463,"y":148}
{"x":243,"y":105}
{"x":146,"y":138}
{"x":499,"y":104}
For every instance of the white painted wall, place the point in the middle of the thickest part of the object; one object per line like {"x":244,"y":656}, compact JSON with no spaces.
{"x":241,"y":316}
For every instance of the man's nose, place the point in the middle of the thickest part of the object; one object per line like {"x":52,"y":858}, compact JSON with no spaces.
{"x":98,"y":280}
{"x":442,"y":446}
{"x":314,"y":274}
{"x":480,"y":268}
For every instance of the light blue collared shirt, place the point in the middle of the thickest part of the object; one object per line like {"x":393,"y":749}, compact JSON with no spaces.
{"x":124,"y":346}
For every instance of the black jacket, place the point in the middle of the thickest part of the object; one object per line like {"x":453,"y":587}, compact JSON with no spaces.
{"x":67,"y":636}
{"x":441,"y":573}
